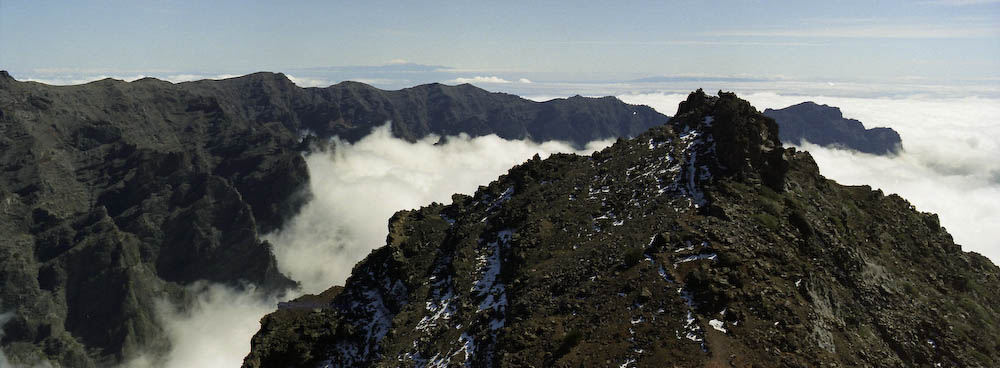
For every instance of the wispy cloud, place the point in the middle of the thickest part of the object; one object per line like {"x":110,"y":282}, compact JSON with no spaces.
{"x":488,"y":80}
{"x":874,"y":29}
{"x":686,"y":43}
{"x":960,"y":2}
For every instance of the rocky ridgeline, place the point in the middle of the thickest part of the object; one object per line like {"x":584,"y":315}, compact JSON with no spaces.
{"x":825,"y":126}
{"x":699,"y":243}
{"x":115,"y":194}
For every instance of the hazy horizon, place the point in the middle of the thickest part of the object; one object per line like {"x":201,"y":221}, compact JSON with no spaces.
{"x":522,"y":48}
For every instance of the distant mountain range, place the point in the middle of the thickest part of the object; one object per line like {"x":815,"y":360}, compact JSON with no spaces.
{"x":115,"y":194}
{"x":700,"y":243}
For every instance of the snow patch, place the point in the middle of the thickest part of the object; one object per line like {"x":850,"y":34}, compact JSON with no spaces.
{"x":504,"y":197}
{"x":697,"y":257}
{"x":439,"y":307}
{"x":493,"y":292}
{"x":718,"y":325}
{"x":468,"y":347}
{"x":628,"y":362}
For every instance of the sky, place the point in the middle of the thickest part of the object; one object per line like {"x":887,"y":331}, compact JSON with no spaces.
{"x":939,"y":41}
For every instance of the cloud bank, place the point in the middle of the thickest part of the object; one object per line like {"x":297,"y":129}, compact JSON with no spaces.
{"x":478,"y":79}
{"x":949,"y":165}
{"x":215,"y":331}
{"x":486,"y":80}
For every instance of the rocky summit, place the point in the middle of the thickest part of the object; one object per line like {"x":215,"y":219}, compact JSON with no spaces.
{"x":826,"y":126}
{"x":115,"y":195}
{"x":702,"y":242}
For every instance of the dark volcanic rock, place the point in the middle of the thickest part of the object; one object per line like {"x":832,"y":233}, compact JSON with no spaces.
{"x":114,"y":194}
{"x":668,"y":248}
{"x":825,"y":125}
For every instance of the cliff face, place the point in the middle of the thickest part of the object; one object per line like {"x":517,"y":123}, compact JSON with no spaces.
{"x":699,"y":243}
{"x":114,"y":194}
{"x":825,"y":125}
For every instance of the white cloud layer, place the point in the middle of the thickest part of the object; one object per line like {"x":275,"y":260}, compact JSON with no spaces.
{"x":877,"y":28}
{"x":214,"y":332}
{"x":960,"y":2}
{"x":478,"y":79}
{"x":950,"y":165}
{"x":486,"y":80}
{"x":359,"y":186}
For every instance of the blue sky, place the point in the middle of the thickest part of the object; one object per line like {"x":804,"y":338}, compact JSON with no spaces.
{"x":939,"y":40}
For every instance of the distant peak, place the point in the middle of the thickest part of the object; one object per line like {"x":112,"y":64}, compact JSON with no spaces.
{"x":151,"y":80}
{"x":832,"y":111}
{"x":271,"y":75}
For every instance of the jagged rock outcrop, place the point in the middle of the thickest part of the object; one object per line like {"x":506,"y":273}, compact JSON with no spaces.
{"x":699,"y":243}
{"x":825,"y":126}
{"x":114,"y":194}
